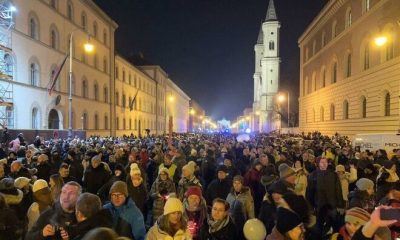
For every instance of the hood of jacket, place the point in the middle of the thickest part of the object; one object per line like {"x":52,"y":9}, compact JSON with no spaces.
{"x":13,"y":196}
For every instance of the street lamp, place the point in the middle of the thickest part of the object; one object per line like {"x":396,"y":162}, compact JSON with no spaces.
{"x":88,"y":48}
{"x":281,"y":98}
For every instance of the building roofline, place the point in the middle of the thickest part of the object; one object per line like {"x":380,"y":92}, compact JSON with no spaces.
{"x":101,"y":12}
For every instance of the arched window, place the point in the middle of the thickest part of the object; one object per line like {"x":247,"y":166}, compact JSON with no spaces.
{"x":348,"y":65}
{"x":123,"y":100}
{"x":85,"y":88}
{"x":96,"y":92}
{"x":130,"y":79}
{"x":95,"y":29}
{"x":130,"y":124}
{"x":314,"y":47}
{"x":321,"y":114}
{"x":387,"y":104}
{"x":116,"y":72}
{"x":105,"y":37}
{"x":271,"y":45}
{"x":363,"y":107}
{"x":365,"y":5}
{"x":389,"y":50}
{"x":34,"y":74}
{"x":54,"y":39}
{"x":117,"y":98}
{"x":123,"y":124}
{"x":84,"y":21}
{"x":105,"y":65}
{"x":96,"y":122}
{"x":348,"y":18}
{"x":345,"y":109}
{"x":34,"y":28}
{"x":35,"y":119}
{"x":84,"y":121}
{"x":95,"y":64}
{"x":9,"y":65}
{"x":366,"y":56}
{"x":117,"y":123}
{"x":323,"y":39}
{"x":323,"y":77}
{"x":314,"y":82}
{"x":53,"y":4}
{"x":332,"y":112}
{"x":334,"y":72}
{"x":136,"y":124}
{"x":334,"y":29}
{"x":123,"y":75}
{"x":105,"y":94}
{"x":70,"y":11}
{"x":106,"y":122}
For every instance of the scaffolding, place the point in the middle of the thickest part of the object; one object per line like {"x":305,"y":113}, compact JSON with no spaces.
{"x":6,"y":65}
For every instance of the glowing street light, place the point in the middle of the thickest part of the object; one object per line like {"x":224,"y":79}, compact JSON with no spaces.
{"x":381,"y":40}
{"x":192,"y":111}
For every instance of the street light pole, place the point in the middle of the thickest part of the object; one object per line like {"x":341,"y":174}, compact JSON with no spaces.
{"x":70,"y":89}
{"x":288,"y":109}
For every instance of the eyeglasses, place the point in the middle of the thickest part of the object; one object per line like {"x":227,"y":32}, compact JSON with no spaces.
{"x":117,"y":195}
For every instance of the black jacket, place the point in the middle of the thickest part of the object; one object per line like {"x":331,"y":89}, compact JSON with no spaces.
{"x":218,"y":189}
{"x":102,"y":218}
{"x":228,"y":232}
{"x":95,"y":178}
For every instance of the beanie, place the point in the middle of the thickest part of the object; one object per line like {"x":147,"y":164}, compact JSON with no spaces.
{"x":357,"y":216}
{"x":189,"y":168}
{"x":39,"y":184}
{"x":340,"y":168}
{"x":222,"y":168}
{"x":21,"y":182}
{"x":193,"y":190}
{"x":364,"y":184}
{"x":164,"y":170}
{"x":285,"y":171}
{"x":134,"y":169}
{"x":238,"y":178}
{"x":119,"y":187}
{"x":286,"y":220}
{"x":173,"y":205}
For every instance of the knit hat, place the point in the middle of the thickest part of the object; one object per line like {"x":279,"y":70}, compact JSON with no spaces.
{"x":21,"y":182}
{"x":119,"y":187}
{"x":364,"y":184}
{"x":173,"y":205}
{"x":357,"y":215}
{"x":238,"y":178}
{"x":388,"y":164}
{"x":193,"y":190}
{"x":340,"y":168}
{"x":189,"y":167}
{"x":286,"y":220}
{"x":164,"y":170}
{"x":222,"y":168}
{"x":285,"y":171}
{"x":39,"y":184}
{"x":278,"y":187}
{"x":135,"y":169}
{"x":7,"y":184}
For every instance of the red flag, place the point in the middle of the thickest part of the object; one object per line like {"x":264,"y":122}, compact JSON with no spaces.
{"x":54,"y":77}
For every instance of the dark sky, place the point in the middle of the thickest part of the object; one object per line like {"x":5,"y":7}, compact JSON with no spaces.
{"x":207,"y":46}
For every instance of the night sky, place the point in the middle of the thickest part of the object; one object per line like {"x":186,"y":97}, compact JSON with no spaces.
{"x":207,"y":46}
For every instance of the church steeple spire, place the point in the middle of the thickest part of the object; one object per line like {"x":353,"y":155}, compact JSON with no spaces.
{"x":271,"y":13}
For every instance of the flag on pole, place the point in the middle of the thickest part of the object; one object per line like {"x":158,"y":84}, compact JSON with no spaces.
{"x":55,"y":75}
{"x":133,"y":101}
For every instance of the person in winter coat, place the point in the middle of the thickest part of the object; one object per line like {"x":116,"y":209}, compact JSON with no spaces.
{"x":61,"y":214}
{"x":119,"y":175}
{"x":95,"y":175}
{"x":232,"y":170}
{"x":346,"y":178}
{"x":18,"y":170}
{"x":170,"y":225}
{"x":241,"y":202}
{"x":168,"y":165}
{"x":179,"y":160}
{"x":23,"y":184}
{"x":188,"y":179}
{"x":13,"y":197}
{"x":354,"y":219}
{"x":386,"y":179}
{"x":127,"y":219}
{"x":161,"y":188}
{"x":252,"y":180}
{"x":10,"y":226}
{"x":56,"y":183}
{"x":208,"y":166}
{"x":195,"y":210}
{"x":301,"y":179}
{"x":220,"y":187}
{"x":43,"y":167}
{"x":43,"y":201}
{"x":287,"y":176}
{"x":89,"y":214}
{"x":324,"y":193}
{"x":219,"y":225}
{"x":363,"y":195}
{"x":137,"y":187}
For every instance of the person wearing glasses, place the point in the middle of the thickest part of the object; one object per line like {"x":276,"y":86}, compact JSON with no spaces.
{"x":128,"y":220}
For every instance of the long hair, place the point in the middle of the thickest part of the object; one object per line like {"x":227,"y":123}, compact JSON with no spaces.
{"x":56,"y":189}
{"x":165,"y":225}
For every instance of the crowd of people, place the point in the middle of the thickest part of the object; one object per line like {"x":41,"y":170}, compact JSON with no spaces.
{"x":201,"y":187}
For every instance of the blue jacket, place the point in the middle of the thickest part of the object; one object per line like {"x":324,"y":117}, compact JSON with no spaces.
{"x":128,"y":220}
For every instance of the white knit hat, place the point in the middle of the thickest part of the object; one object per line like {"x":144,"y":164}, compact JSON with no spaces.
{"x":134,"y":169}
{"x":173,"y":205}
{"x":39,"y":185}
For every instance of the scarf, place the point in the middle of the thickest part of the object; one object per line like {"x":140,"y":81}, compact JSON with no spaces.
{"x":215,"y":226}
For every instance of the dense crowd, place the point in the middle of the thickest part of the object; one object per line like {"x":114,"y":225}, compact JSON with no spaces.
{"x":202,"y":187}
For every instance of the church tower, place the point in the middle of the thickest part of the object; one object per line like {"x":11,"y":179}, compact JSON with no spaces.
{"x":266,"y":75}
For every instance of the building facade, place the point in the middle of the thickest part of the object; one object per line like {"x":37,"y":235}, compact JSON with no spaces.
{"x":266,"y":75}
{"x":349,"y":83}
{"x":177,"y":107}
{"x":35,"y":41}
{"x":196,"y":116}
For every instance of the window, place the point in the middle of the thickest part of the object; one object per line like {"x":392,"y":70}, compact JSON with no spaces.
{"x":54,"y":39}
{"x":363,"y":107}
{"x":35,"y":118}
{"x":134,"y":82}
{"x":323,"y":77}
{"x":10,"y":116}
{"x":348,"y":18}
{"x":117,"y":123}
{"x":309,"y":85}
{"x":96,"y":122}
{"x":366,"y":56}
{"x":95,"y":61}
{"x":314,"y":47}
{"x":105,"y":64}
{"x":70,"y":11}
{"x":84,"y":21}
{"x":117,"y":98}
{"x":34,"y":28}
{"x":334,"y":29}
{"x":106,"y":122}
{"x":323,"y":39}
{"x":9,"y":64}
{"x":123,"y":124}
{"x":96,"y":92}
{"x":95,"y":30}
{"x":116,"y":72}
{"x":53,"y":4}
{"x":365,"y":5}
{"x":130,"y":79}
{"x":314,"y":82}
{"x":130,"y":124}
{"x":105,"y":37}
{"x":84,"y":88}
{"x":84,"y":121}
{"x":387,"y":104}
{"x":348,"y":66}
{"x":34,"y":74}
{"x":321,"y":114}
{"x":136,"y":124}
{"x":105,"y":94}
{"x":334,"y":72}
{"x":271,"y":45}
{"x":123,"y":75}
{"x":123,"y":100}
{"x":345,"y":109}
{"x":389,"y":50}
{"x":332,"y":117}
